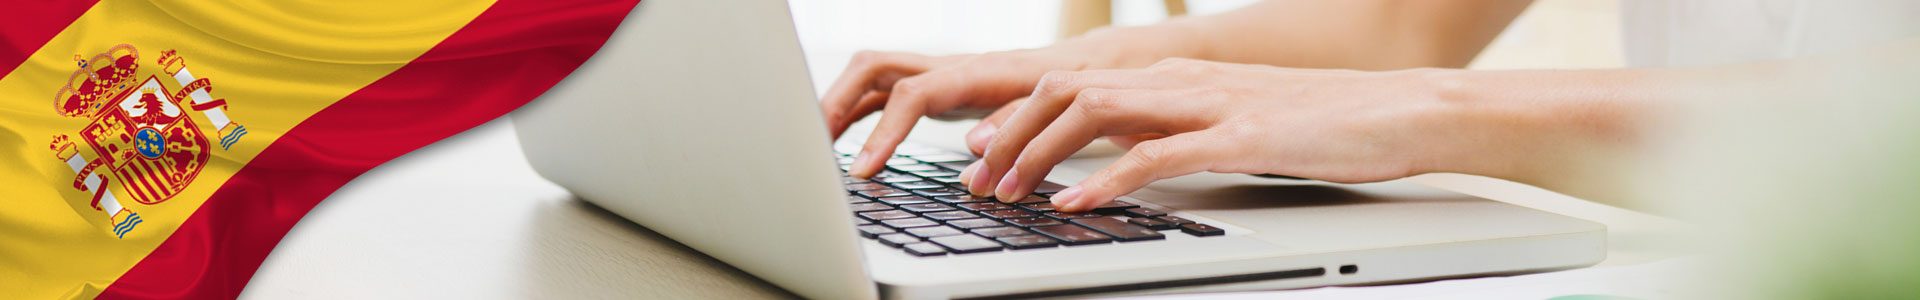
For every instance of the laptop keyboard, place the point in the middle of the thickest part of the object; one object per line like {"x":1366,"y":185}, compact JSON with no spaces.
{"x":919,"y":206}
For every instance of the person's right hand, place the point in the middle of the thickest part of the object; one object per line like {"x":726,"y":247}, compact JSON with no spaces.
{"x":909,"y":86}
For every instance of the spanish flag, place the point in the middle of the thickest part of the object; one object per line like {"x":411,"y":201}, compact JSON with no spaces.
{"x":160,"y":149}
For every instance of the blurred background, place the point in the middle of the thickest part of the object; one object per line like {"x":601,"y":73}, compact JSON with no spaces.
{"x":1550,"y":34}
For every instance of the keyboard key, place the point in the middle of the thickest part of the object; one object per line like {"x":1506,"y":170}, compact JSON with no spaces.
{"x":948,"y":216}
{"x":853,"y":180}
{"x":869,"y":206}
{"x":1121,"y":230}
{"x":1073,"y":234}
{"x":1028,"y":242}
{"x":1033,"y":222}
{"x":935,"y":173}
{"x":1144,"y":212}
{"x":962,"y":198}
{"x":886,"y":214}
{"x":1070,"y":216}
{"x":869,"y":231}
{"x":903,"y":200}
{"x":928,"y":232}
{"x":883,"y":193}
{"x":909,"y":223}
{"x":926,"y":207}
{"x":966,"y":243}
{"x":859,"y":221}
{"x":941,"y":158}
{"x":942,"y":191}
{"x":1114,"y":207}
{"x":1038,"y":206}
{"x":1197,"y":229}
{"x":1177,"y":221}
{"x":902,"y":161}
{"x":911,"y":150}
{"x":865,"y":186}
{"x":984,"y":206}
{"x":976,"y":223}
{"x":956,"y":166}
{"x":891,"y":177}
{"x":919,"y":185}
{"x":845,"y":160}
{"x":1033,"y":199}
{"x":948,"y":180}
{"x":1008,"y":214}
{"x":1048,"y":188}
{"x":915,"y":168}
{"x":1001,"y":231}
{"x":851,"y":199}
{"x":896,"y":239}
{"x":924,"y":249}
{"x":1155,"y":223}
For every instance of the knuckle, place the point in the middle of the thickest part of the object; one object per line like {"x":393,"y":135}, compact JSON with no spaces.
{"x":1095,"y":101}
{"x":1150,"y":154}
{"x":1056,"y":83}
{"x":906,"y":89}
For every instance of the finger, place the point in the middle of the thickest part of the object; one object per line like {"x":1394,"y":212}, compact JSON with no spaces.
{"x":859,"y":77}
{"x":909,"y":101}
{"x":868,"y":104}
{"x":1102,"y":112}
{"x":1051,"y":96}
{"x":1127,"y":141}
{"x":1169,"y":157}
{"x":932,"y":92}
{"x":983,"y":133}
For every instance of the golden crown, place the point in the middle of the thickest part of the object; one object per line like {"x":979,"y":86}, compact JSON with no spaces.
{"x":149,"y":90}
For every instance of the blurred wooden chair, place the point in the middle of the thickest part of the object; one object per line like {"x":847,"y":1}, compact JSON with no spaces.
{"x":1079,"y":16}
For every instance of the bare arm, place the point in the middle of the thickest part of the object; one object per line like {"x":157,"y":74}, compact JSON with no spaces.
{"x":1363,"y":35}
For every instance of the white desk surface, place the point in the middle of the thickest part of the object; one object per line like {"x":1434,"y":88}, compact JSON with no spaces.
{"x":468,"y":218}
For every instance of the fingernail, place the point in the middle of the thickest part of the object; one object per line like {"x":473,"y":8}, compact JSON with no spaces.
{"x":966,"y":175}
{"x":859,"y":164}
{"x":981,"y":136}
{"x":978,"y":186}
{"x":1006,"y":190}
{"x":1066,"y":197}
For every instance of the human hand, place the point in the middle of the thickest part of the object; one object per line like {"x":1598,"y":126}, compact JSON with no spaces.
{"x":909,"y":86}
{"x":1185,"y":116}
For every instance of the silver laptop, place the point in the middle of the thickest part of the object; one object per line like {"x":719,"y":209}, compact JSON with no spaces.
{"x":698,"y":121}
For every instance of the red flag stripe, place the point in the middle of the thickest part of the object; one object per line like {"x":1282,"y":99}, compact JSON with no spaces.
{"x":28,"y":26}
{"x":508,"y":55}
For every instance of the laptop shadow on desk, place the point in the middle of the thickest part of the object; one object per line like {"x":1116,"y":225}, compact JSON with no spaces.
{"x":1279,"y":196}
{"x":578,"y":250}
{"x":1213,"y":192}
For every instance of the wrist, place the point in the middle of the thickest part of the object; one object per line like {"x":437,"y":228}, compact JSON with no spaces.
{"x":1535,"y":127}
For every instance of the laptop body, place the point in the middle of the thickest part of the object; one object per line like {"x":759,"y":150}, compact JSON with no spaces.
{"x":698,"y":120}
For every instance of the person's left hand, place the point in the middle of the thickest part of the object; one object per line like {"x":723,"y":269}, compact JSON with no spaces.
{"x":1184,"y":116}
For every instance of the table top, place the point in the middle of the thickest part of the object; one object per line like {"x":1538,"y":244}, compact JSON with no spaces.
{"x":468,"y":218}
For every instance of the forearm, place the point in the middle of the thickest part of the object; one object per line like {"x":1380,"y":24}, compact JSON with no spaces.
{"x":1581,"y":132}
{"x":1569,"y":131}
{"x":1365,"y":35}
